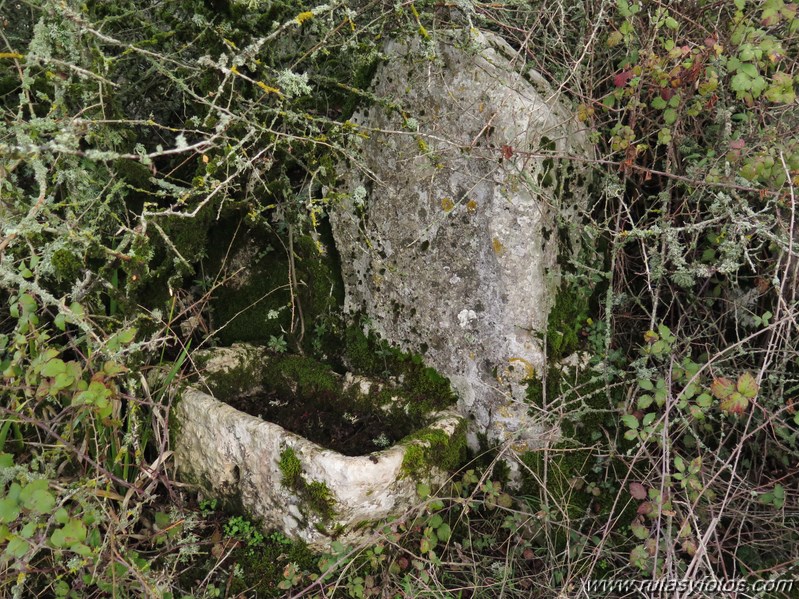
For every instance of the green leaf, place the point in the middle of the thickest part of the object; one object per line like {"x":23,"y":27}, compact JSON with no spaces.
{"x":40,"y":501}
{"x":436,"y":521}
{"x":646,"y":384}
{"x":121,"y":339}
{"x":17,"y":547}
{"x":423,"y":490}
{"x":9,"y":510}
{"x":644,"y":402}
{"x":679,"y":464}
{"x":671,"y":23}
{"x":649,"y":419}
{"x":6,"y":460}
{"x":443,"y":532}
{"x":112,"y":368}
{"x":28,"y":530}
{"x":660,"y":396}
{"x":639,"y":530}
{"x":639,"y":557}
{"x":748,"y":69}
{"x":61,"y":516}
{"x":62,"y":381}
{"x":704,"y":400}
{"x":734,"y":404}
{"x":77,"y":309}
{"x":747,"y":385}
{"x":630,"y":421}
{"x":61,"y":588}
{"x":758,"y":85}
{"x":54,"y":367}
{"x":504,"y":500}
{"x":72,"y":532}
{"x":740,"y":84}
{"x":659,"y":103}
{"x":781,"y":89}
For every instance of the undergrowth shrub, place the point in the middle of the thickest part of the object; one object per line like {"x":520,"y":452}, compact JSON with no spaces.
{"x":130,"y":129}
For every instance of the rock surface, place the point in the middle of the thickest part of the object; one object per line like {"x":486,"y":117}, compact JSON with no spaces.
{"x":235,"y":456}
{"x":446,"y":222}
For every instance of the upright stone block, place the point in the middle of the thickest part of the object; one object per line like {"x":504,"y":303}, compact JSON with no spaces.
{"x":446,"y":224}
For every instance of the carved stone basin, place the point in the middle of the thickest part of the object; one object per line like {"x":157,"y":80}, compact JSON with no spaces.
{"x":284,"y":480}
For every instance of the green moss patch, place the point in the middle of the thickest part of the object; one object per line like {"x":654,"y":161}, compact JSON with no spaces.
{"x":434,"y":448}
{"x":424,"y":386}
{"x":565,"y":322}
{"x":255,"y":301}
{"x":315,"y":494}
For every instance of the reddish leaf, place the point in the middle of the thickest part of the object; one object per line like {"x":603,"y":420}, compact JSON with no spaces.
{"x":638,"y":491}
{"x":645,"y":508}
{"x":722,"y":388}
{"x":622,"y":78}
{"x":507,"y":152}
{"x":734,"y":404}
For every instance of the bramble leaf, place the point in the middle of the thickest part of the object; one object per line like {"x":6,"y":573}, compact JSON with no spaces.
{"x":722,"y":388}
{"x":747,"y":385}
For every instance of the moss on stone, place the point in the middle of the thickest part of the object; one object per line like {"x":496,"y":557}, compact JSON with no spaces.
{"x":316,"y":495}
{"x":300,"y":377}
{"x":426,"y":389}
{"x":255,"y":304}
{"x":434,"y":448}
{"x":319,"y":499}
{"x":291,"y":469}
{"x":227,"y":384}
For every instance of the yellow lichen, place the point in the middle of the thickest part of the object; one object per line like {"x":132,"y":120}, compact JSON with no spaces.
{"x":268,"y":88}
{"x":499,"y":249}
{"x":528,"y":368}
{"x":303,"y":16}
{"x":471,"y":205}
{"x":447,"y":204}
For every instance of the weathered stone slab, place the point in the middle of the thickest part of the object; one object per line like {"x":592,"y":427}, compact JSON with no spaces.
{"x":284,"y":480}
{"x":446,"y":224}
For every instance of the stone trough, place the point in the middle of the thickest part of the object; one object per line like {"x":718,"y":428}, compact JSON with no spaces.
{"x":284,"y":480}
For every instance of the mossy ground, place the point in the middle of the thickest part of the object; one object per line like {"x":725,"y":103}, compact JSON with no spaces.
{"x":565,"y":323}
{"x":262,"y":567}
{"x":582,"y":483}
